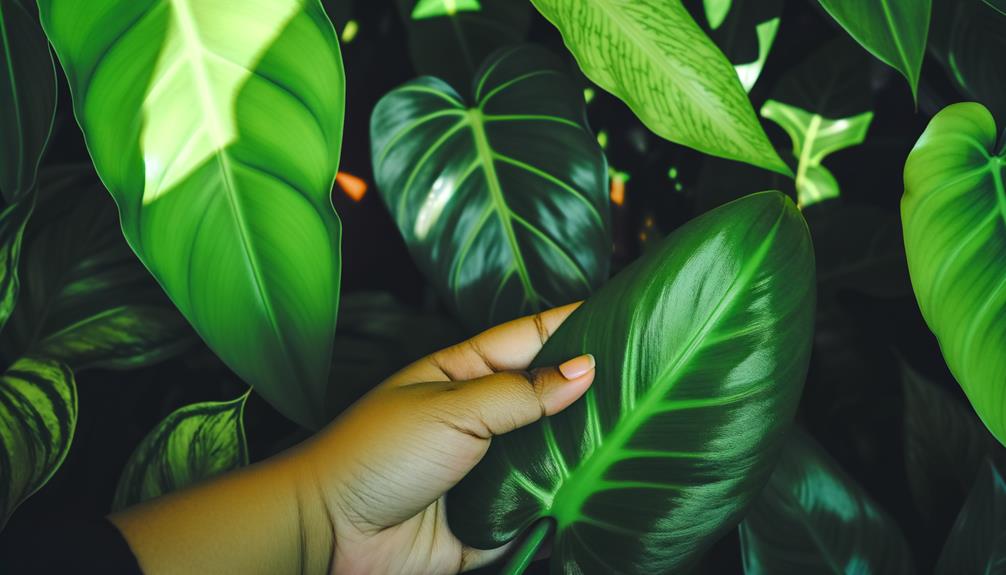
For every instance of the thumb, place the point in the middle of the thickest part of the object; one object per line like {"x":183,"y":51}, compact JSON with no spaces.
{"x":504,"y":401}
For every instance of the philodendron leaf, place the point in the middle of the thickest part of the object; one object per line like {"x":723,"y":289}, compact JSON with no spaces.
{"x":812,"y":518}
{"x":652,"y":55}
{"x":217,"y":125}
{"x":894,"y":31}
{"x":38,"y":414}
{"x":814,"y":137}
{"x":86,"y":300}
{"x":954,"y":218}
{"x":193,"y":443}
{"x":503,"y":201}
{"x":701,"y":348}
{"x":27,"y":99}
{"x":977,"y":541}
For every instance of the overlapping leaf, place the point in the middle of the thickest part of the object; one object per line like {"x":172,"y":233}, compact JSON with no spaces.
{"x":745,"y":31}
{"x":701,"y":348}
{"x":504,"y":202}
{"x":977,"y":541}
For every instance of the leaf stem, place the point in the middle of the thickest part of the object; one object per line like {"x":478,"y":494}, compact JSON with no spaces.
{"x":525,"y":553}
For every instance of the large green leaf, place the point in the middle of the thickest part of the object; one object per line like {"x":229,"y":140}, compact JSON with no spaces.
{"x":811,"y":518}
{"x":86,"y":300}
{"x":503,"y":202}
{"x":38,"y":414}
{"x":954,"y":217}
{"x":193,"y":443}
{"x":652,"y":55}
{"x":27,"y":99}
{"x":217,"y":125}
{"x":701,"y":347}
{"x":894,"y":31}
{"x":977,"y":541}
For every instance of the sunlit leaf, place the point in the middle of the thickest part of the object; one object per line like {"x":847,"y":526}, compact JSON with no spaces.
{"x":813,"y":518}
{"x":745,"y":34}
{"x":434,"y":8}
{"x":217,"y":127}
{"x":954,"y":217}
{"x":38,"y":414}
{"x":977,"y":541}
{"x":652,"y":55}
{"x":716,"y":11}
{"x":193,"y":443}
{"x":701,"y":347}
{"x":502,"y":197}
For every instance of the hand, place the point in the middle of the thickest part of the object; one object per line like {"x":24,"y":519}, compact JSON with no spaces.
{"x":384,"y":466}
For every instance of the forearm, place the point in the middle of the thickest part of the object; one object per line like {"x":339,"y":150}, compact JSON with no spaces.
{"x":267,"y":518}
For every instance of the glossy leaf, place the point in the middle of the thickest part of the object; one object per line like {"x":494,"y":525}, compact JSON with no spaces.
{"x":191,"y":444}
{"x":702,"y":346}
{"x":503,"y":202}
{"x":894,"y":31}
{"x":954,"y":218}
{"x":745,"y":34}
{"x":812,"y":518}
{"x":27,"y":99}
{"x":217,"y":126}
{"x":38,"y":414}
{"x":652,"y":55}
{"x":814,"y":137}
{"x":977,"y":541}
{"x":86,"y":300}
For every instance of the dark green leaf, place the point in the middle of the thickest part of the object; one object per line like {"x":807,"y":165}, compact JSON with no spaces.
{"x":954,"y":217}
{"x":999,"y":5}
{"x":812,"y":519}
{"x":193,"y":443}
{"x":503,"y":204}
{"x":217,"y":128}
{"x":702,"y":346}
{"x":977,"y":542}
{"x":27,"y":99}
{"x":86,"y":300}
{"x":38,"y":414}
{"x":12,"y":223}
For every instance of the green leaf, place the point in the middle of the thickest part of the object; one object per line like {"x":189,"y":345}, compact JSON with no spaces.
{"x":977,"y":541}
{"x":954,"y":217}
{"x":435,"y":8}
{"x":814,"y":137}
{"x":217,"y":128}
{"x":813,"y":518}
{"x":745,"y":33}
{"x":27,"y":99}
{"x":38,"y":414}
{"x":191,"y":444}
{"x":894,"y":31}
{"x":652,"y":55}
{"x":13,"y":220}
{"x":702,"y":346}
{"x":999,"y":5}
{"x":504,"y":202}
{"x":86,"y":300}
{"x":716,"y":11}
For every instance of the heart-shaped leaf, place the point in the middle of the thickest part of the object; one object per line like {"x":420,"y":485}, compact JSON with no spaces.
{"x":193,"y":443}
{"x":38,"y":414}
{"x":87,"y":301}
{"x":977,"y":541}
{"x":701,"y":348}
{"x":954,"y":216}
{"x":812,"y":518}
{"x":652,"y":55}
{"x":27,"y":99}
{"x":894,"y":31}
{"x":217,"y":126}
{"x":503,"y":203}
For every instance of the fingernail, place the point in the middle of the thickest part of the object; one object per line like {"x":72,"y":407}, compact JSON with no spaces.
{"x":577,"y":366}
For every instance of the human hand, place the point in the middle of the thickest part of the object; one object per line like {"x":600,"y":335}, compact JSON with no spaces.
{"x":382,"y":468}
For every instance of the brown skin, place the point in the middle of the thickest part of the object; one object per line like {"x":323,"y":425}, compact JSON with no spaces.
{"x":366,"y":494}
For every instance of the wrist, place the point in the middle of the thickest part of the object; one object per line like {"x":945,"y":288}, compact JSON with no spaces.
{"x":315,"y":517}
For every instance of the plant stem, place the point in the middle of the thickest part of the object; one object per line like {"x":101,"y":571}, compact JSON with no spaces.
{"x":524,"y":554}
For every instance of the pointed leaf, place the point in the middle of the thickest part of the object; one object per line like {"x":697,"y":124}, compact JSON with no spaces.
{"x":701,"y":347}
{"x":217,"y":125}
{"x":191,"y":444}
{"x":813,"y":518}
{"x":38,"y":414}
{"x":977,"y":541}
{"x":652,"y":55}
{"x":27,"y":99}
{"x":954,"y":217}
{"x":716,"y":11}
{"x":503,"y":202}
{"x":894,"y":31}
{"x":745,"y":34}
